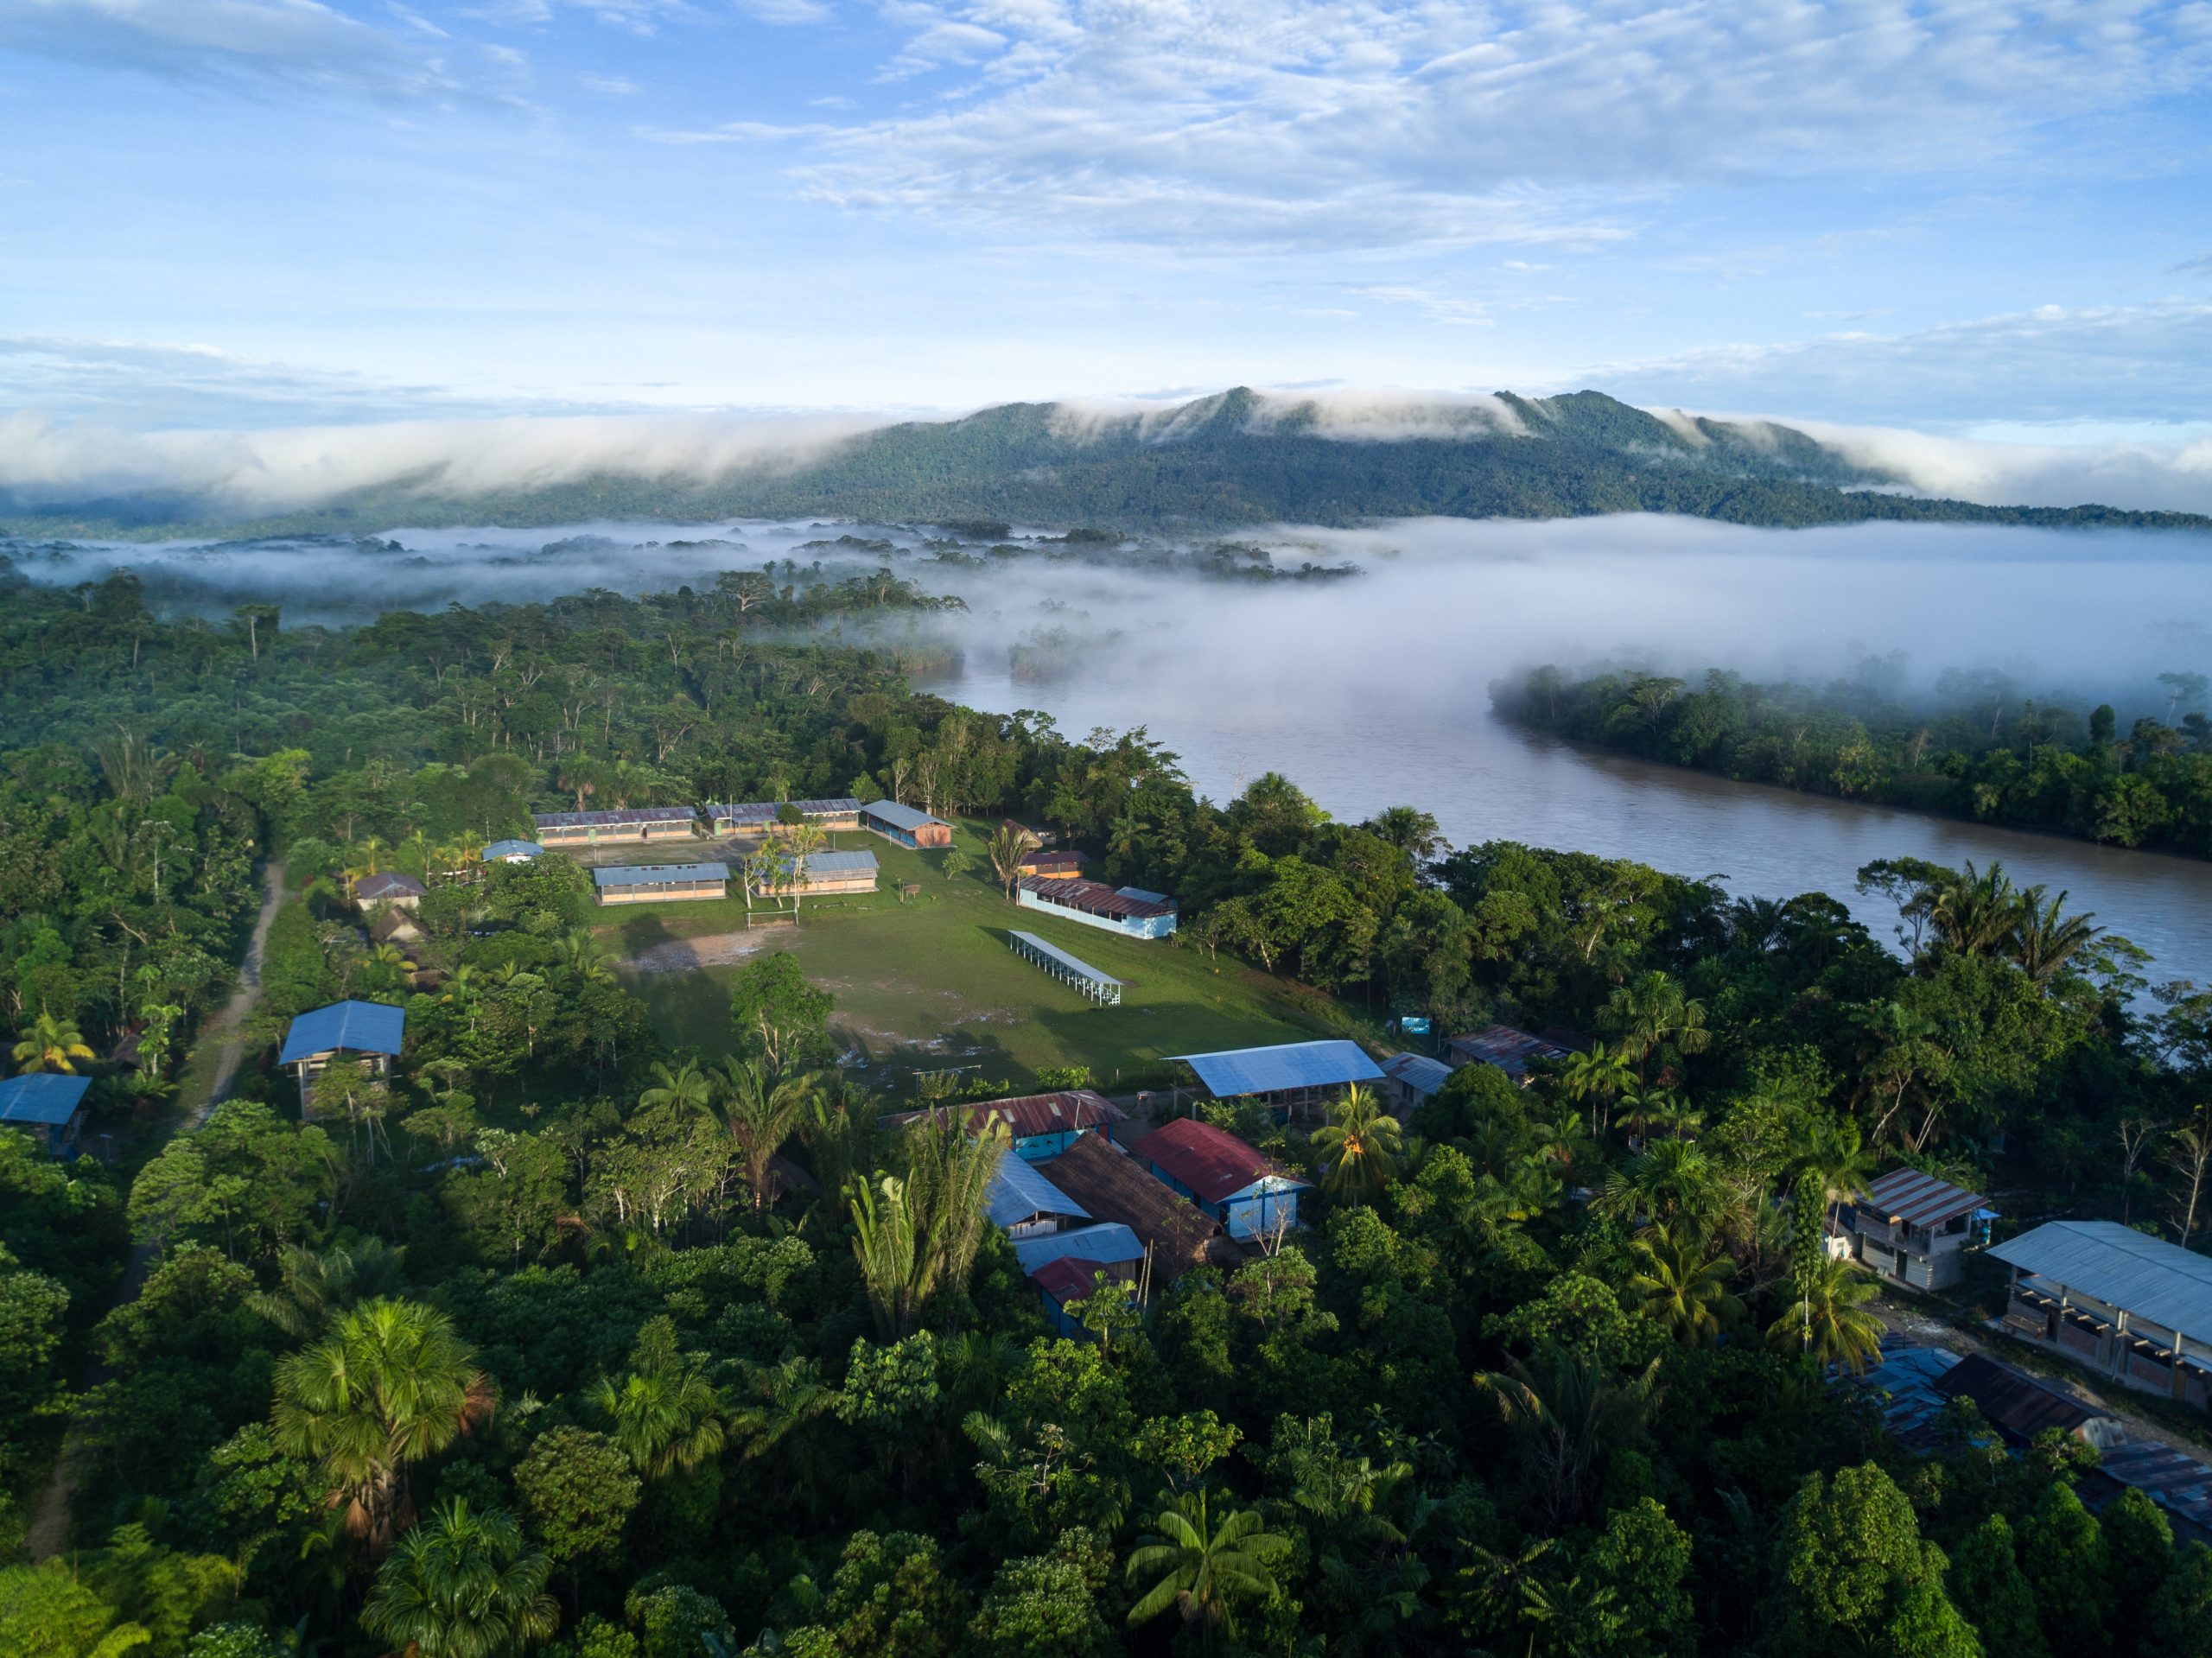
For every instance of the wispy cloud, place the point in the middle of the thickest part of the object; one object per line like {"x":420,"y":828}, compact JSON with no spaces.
{"x":230,"y":41}
{"x":1318,"y":124}
{"x":2143,"y":362}
{"x":1437,"y":307}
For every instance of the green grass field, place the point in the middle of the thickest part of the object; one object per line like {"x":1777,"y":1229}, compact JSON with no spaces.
{"x":930,"y":982}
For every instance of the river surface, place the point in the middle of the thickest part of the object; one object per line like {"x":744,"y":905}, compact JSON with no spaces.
{"x":1373,"y":691}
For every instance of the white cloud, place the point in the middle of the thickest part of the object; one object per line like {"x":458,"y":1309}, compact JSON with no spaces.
{"x":609,"y":85}
{"x":1437,"y":307}
{"x":297,"y":41}
{"x":2144,"y":362}
{"x":1334,"y":123}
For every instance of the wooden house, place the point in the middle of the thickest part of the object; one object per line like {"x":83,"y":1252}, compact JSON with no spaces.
{"x":47,"y":1105}
{"x":1113,"y":1185}
{"x":368,"y":1030}
{"x":387,"y":886}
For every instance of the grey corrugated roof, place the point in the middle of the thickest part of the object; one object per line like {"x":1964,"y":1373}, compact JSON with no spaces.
{"x":1018,"y":1192}
{"x":898,"y":817}
{"x":1287,"y":1065}
{"x":657,"y":874}
{"x":838,"y":863}
{"x":1108,"y":1244}
{"x":2124,"y":1268}
{"x":1417,"y":1071}
{"x":502,"y":850}
{"x":1919,"y":1199}
{"x":50,"y":1097}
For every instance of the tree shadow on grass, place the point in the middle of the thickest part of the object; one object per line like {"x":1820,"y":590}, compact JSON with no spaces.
{"x":891,"y":1065}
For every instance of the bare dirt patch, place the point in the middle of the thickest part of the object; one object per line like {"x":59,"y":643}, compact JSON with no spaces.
{"x":689,"y":954}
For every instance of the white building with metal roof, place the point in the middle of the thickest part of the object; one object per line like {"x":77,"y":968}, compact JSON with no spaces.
{"x":2121,"y":1303}
{"x":1915,"y":1229}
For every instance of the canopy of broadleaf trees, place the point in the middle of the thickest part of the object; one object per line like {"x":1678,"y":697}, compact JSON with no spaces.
{"x":539,"y":1344}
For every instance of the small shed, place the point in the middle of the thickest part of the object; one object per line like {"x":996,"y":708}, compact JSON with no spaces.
{"x":1064,"y":1282}
{"x":1129,"y":911}
{"x":512,"y":852}
{"x":660,"y":883}
{"x":906,"y":825}
{"x":1511,"y":1050}
{"x":1223,"y":1176}
{"x":48,"y":1105}
{"x":617,"y":828}
{"x":395,"y":926}
{"x":1040,"y":1125}
{"x":369,"y":1031}
{"x":1024,"y":1204}
{"x":1051,"y":866}
{"x":1414,"y":1080}
{"x":1114,"y":1186}
{"x":1102,"y":987}
{"x":1286,"y":1076}
{"x":387,"y":886}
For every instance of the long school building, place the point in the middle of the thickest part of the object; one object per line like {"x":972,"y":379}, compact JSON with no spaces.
{"x":904,"y":824}
{"x":761,"y":816}
{"x":614,"y":827}
{"x":1129,"y":911}
{"x":660,"y":883}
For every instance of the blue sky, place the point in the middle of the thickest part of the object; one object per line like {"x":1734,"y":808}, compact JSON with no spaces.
{"x":1959,"y":217}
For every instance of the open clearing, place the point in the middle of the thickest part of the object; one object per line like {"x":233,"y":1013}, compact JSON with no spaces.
{"x":930,"y":982}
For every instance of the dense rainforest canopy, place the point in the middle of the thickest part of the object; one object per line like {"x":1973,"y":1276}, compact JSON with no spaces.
{"x":559,"y":1339}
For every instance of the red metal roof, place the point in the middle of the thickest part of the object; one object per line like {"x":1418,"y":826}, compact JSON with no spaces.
{"x":1212,"y":1162}
{"x":1919,"y":1199}
{"x":1066,"y":1279}
{"x":1069,"y":1111}
{"x":1095,"y":898}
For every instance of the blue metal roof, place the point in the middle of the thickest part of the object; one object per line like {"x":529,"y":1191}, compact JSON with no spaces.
{"x":834,"y":863}
{"x":50,"y":1097}
{"x":354,"y":1027}
{"x":1417,"y":1071}
{"x":1108,"y":1244}
{"x":898,"y":817}
{"x":658,"y":875}
{"x":503,"y":851}
{"x":1272,"y":1070}
{"x":1018,"y":1192}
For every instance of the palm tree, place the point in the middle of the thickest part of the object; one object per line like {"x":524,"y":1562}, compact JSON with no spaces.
{"x":1651,"y":1015}
{"x":2044,"y":938}
{"x":1685,"y":1290}
{"x":1668,"y":1182}
{"x":1975,"y":914}
{"x":1839,"y":1159}
{"x":1008,"y":848}
{"x":1199,"y":1568}
{"x":762,"y":1118}
{"x":1594,"y":1077}
{"x":917,"y":1235}
{"x":1566,"y":1410}
{"x":1830,"y":1323}
{"x":582,"y":956}
{"x":1413,"y":831}
{"x":463,"y":1585}
{"x":392,"y":1384}
{"x":687,"y":1085}
{"x":1359,"y":1147}
{"x":665,"y":1414}
{"x":312,"y":1289}
{"x":51,"y":1043}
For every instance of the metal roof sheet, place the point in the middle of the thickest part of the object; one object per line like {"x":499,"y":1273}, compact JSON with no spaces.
{"x":1417,"y":1071}
{"x":1028,"y":1116}
{"x":2124,"y":1268}
{"x":503,"y":851}
{"x":1920,"y":1199}
{"x":658,"y":875}
{"x":46,"y":1097}
{"x":1116,"y":1187}
{"x":898,"y":817}
{"x":1018,"y":1193}
{"x":834,"y":863}
{"x":350,"y":1027}
{"x":1095,"y":898}
{"x":765,"y":811}
{"x":1212,"y":1162}
{"x":1067,"y":1279}
{"x":1509,"y":1049}
{"x":2015,"y":1403}
{"x":1107,"y":1245}
{"x":1074,"y":964}
{"x":1143,"y":897}
{"x":622,"y":818}
{"x":1287,"y":1065}
{"x":388,"y":883}
{"x":2173,"y":1481}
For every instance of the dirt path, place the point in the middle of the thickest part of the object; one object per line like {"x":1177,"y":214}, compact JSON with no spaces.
{"x":48,"y":1532}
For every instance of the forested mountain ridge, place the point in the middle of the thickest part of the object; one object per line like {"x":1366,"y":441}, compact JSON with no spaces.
{"x":1238,"y":457}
